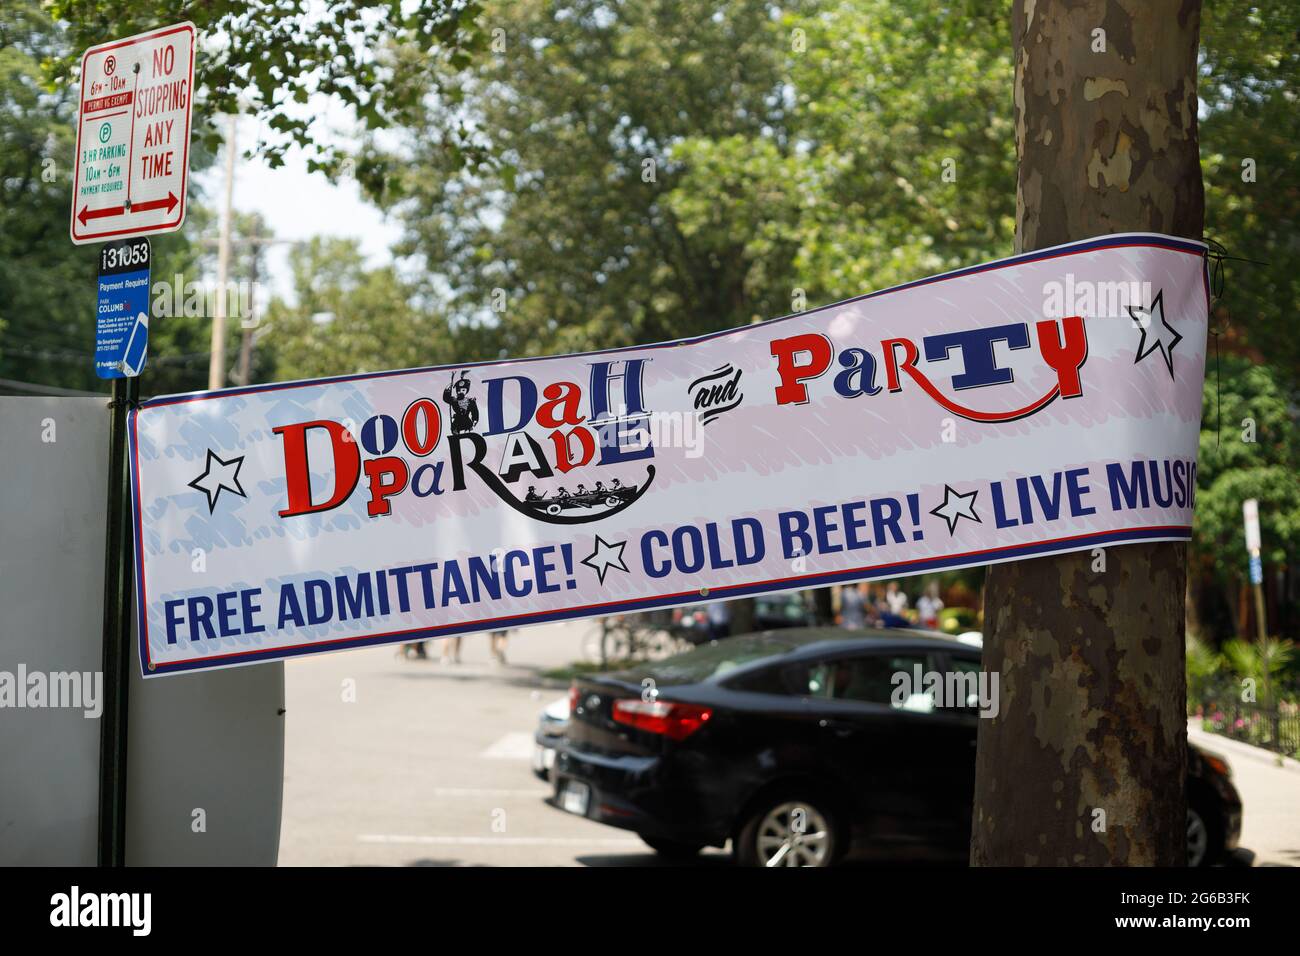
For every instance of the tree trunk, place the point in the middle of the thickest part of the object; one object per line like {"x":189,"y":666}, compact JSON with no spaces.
{"x":742,"y":616}
{"x":821,"y":606}
{"x":1085,"y":762}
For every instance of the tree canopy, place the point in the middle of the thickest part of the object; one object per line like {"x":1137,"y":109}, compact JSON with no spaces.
{"x":347,"y":317}
{"x":671,"y":168}
{"x":575,"y":174}
{"x":268,"y":59}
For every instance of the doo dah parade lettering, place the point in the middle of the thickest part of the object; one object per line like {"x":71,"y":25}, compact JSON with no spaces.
{"x":608,"y":424}
{"x":579,"y":429}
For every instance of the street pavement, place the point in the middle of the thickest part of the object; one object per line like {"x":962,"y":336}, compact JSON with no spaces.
{"x":429,"y":764}
{"x":404,"y":762}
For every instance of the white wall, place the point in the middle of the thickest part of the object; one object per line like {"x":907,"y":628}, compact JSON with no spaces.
{"x":210,"y":741}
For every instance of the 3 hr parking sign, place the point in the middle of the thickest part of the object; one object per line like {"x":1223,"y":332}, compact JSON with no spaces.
{"x":133,"y":136}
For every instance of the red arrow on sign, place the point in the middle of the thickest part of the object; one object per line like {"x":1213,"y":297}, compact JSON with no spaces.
{"x":87,"y":213}
{"x":169,"y":204}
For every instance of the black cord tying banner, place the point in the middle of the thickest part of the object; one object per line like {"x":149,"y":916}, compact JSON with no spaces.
{"x":1217,"y":254}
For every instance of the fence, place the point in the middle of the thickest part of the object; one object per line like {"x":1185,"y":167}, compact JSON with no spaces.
{"x":1276,"y":729}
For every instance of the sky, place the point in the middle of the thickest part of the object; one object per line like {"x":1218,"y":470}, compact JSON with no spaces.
{"x":298,"y":205}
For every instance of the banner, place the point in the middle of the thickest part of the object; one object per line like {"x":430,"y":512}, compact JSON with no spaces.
{"x":1044,"y":403}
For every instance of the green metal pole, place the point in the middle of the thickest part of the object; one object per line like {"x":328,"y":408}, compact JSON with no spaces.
{"x":1261,"y":621}
{"x":117,"y":624}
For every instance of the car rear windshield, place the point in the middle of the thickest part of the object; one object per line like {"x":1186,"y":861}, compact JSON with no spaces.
{"x":708,"y":660}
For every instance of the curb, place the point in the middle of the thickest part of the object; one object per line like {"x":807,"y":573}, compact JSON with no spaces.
{"x":1236,"y":748}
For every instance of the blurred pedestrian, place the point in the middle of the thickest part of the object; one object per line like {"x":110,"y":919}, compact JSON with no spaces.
{"x":853,"y":606}
{"x":928,"y":606}
{"x":497,"y":645}
{"x":451,"y":650}
{"x":895,"y":599}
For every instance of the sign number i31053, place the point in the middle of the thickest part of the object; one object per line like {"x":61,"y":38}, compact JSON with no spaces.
{"x":124,"y":255}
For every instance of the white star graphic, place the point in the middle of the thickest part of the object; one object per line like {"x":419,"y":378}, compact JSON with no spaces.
{"x":1157,"y":333}
{"x":606,"y":556}
{"x":218,"y":474}
{"x":956,"y":505}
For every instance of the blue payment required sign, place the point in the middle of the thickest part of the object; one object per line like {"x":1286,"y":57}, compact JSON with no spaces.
{"x":122,"y":309}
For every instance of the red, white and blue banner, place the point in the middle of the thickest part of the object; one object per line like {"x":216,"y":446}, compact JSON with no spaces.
{"x":1044,"y":403}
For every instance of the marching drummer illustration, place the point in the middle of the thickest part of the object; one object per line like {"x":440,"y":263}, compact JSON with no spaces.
{"x":464,"y":410}
{"x":587,"y":501}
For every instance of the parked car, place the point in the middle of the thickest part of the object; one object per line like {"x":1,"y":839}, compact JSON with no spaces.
{"x":793,"y":745}
{"x":550,"y":732}
{"x":772,"y":612}
{"x":1213,"y":807}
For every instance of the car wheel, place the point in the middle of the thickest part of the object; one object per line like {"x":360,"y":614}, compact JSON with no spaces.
{"x":1204,"y":845}
{"x":790,"y":832}
{"x":672,"y":849}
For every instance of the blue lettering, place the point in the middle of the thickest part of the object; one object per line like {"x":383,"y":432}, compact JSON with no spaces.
{"x":980,"y":367}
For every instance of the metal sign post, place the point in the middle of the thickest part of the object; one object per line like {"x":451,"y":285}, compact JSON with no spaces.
{"x":121,"y":348}
{"x":117,"y":624}
{"x":130,"y":179}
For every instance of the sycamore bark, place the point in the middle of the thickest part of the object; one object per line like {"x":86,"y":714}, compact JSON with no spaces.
{"x":1085,"y":762}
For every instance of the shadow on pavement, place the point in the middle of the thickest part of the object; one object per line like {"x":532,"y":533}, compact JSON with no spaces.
{"x":428,"y":862}
{"x":511,"y":675}
{"x":654,"y":860}
{"x":1242,"y":857}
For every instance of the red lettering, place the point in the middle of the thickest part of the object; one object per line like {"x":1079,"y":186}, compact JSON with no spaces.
{"x":297,"y":472}
{"x":564,"y":397}
{"x":564,"y":459}
{"x":422,"y":408}
{"x":793,"y":374}
{"x":164,"y":60}
{"x":1067,"y":357}
{"x":388,"y":476}
{"x":892,"y":365}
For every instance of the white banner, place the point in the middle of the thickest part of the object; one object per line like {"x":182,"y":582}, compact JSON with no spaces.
{"x":1044,"y":403}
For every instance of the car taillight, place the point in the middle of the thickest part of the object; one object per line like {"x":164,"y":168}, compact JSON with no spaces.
{"x":573,"y":700}
{"x":674,"y":721}
{"x":1218,"y":763}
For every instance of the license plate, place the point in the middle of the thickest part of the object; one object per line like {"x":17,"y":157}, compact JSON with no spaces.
{"x":574,"y":797}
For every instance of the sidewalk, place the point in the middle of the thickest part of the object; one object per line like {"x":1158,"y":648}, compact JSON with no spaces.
{"x":1236,"y":749}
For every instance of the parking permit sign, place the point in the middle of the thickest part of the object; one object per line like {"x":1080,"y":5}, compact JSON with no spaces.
{"x":122,"y":309}
{"x":133,"y":136}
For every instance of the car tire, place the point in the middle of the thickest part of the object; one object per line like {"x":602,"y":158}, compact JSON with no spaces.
{"x":672,"y":849}
{"x":1204,"y":841}
{"x":773,"y":834}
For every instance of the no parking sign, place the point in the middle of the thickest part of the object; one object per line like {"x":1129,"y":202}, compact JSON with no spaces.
{"x":133,"y":136}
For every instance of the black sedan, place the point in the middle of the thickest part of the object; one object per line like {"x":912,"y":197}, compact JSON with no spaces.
{"x":801,"y":746}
